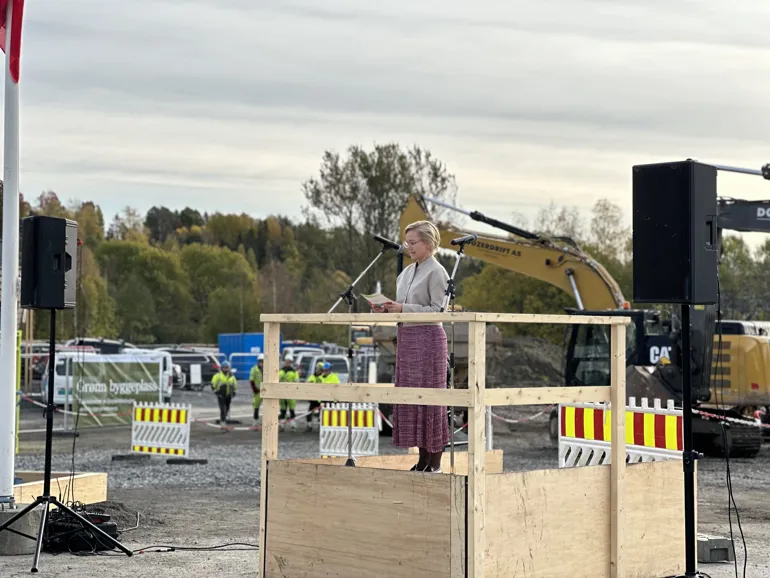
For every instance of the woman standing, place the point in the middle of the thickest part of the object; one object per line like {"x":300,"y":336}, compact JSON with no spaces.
{"x":421,"y":354}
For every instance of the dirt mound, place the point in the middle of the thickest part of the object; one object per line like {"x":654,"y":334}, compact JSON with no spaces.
{"x":525,"y":361}
{"x":124,"y":517}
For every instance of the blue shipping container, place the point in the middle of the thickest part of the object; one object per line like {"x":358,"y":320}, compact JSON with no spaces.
{"x":242,"y":343}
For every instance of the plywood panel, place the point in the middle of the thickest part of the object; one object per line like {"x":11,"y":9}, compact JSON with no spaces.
{"x":494,"y":462}
{"x":556,"y":522}
{"x":88,"y":488}
{"x":325,"y":521}
{"x":458,"y":562}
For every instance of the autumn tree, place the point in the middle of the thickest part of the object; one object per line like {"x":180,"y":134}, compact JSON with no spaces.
{"x":365,"y":192}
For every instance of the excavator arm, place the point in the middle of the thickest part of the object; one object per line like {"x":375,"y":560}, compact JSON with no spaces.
{"x":744,"y":216}
{"x":555,"y":260}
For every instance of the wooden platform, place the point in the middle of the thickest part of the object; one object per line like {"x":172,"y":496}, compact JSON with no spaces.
{"x":89,"y":488}
{"x":319,"y":518}
{"x":325,"y":520}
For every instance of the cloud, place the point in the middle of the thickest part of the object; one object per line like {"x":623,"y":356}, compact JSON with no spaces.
{"x":230,"y":105}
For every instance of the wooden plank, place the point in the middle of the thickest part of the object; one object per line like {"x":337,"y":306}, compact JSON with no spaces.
{"x":477,"y":333}
{"x":88,"y":487}
{"x":554,"y":319}
{"x":461,"y":317}
{"x":505,"y":395}
{"x":493,"y":462}
{"x":269,"y":431}
{"x":366,"y":318}
{"x":618,"y":448}
{"x":365,"y":392}
{"x":548,"y":523}
{"x":328,"y":521}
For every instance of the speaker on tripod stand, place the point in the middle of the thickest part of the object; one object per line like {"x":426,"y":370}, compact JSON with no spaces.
{"x":48,"y":281}
{"x":675,"y":246}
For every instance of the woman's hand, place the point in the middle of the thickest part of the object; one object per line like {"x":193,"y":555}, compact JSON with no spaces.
{"x":391,"y":307}
{"x":378,"y":309}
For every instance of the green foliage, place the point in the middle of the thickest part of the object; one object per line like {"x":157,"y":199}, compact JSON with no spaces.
{"x":185,"y":276}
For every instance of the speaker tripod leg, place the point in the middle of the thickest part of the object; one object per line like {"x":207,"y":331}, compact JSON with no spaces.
{"x":20,"y":515}
{"x":40,"y":535}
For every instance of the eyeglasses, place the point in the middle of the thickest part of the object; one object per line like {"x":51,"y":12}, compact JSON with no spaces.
{"x":412,"y":243}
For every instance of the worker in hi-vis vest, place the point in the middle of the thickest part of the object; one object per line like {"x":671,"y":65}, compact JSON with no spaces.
{"x":224,"y":385}
{"x":288,"y":374}
{"x":315,"y":378}
{"x":328,"y":376}
{"x":255,"y":379}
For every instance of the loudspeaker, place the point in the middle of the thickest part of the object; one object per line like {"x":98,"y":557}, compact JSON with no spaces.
{"x":48,"y":263}
{"x":675,"y":233}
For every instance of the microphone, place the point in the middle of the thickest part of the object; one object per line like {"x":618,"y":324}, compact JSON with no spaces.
{"x":388,"y":244}
{"x":463,"y":240}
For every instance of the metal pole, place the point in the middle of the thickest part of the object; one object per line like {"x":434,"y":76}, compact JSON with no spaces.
{"x":10,"y":274}
{"x":350,"y":462}
{"x":688,"y":457}
{"x":354,"y":283}
{"x":764,"y":172}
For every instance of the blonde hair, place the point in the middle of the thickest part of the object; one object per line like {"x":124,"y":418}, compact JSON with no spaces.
{"x":428,"y":232}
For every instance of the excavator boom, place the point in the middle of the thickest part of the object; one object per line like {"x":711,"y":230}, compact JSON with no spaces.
{"x":744,"y":216}
{"x":558,"y":261}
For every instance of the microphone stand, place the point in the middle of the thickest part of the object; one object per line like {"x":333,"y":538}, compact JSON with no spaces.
{"x":348,"y":296}
{"x":449,"y":299}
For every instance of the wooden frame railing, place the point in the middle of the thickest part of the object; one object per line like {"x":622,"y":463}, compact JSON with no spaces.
{"x":476,"y":398}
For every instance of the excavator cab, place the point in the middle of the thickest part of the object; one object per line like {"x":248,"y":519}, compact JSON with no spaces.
{"x":648,"y":343}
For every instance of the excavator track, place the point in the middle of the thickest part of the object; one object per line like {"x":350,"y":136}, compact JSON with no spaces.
{"x":743,"y":440}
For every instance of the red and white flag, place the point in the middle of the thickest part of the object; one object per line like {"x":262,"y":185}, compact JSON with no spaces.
{"x":17,"y":13}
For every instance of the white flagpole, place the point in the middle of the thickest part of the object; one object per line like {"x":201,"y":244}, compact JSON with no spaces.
{"x":10,"y":273}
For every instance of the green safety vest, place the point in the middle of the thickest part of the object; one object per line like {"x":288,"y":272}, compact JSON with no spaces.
{"x":255,"y":375}
{"x":228,"y":381}
{"x":289,"y":375}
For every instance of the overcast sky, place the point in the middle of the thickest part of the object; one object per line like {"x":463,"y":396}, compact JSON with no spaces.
{"x":229,"y":104}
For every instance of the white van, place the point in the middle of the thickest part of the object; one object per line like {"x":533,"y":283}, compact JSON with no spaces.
{"x":62,"y":377}
{"x":63,"y":373}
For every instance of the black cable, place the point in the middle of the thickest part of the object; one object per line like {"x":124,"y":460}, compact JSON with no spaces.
{"x":81,"y":355}
{"x":171,"y":548}
{"x":730,"y":497}
{"x":249,"y":547}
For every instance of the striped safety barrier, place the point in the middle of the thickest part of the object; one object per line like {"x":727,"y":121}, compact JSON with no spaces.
{"x":652,"y":433}
{"x":334,"y":429}
{"x":159,"y":428}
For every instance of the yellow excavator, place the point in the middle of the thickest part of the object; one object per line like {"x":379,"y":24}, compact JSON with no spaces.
{"x":652,"y":348}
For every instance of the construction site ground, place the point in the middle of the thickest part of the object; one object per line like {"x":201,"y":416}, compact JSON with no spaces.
{"x":200,"y":506}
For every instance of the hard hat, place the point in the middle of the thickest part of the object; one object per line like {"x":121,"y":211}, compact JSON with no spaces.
{"x":327,"y":366}
{"x":261,"y":357}
{"x":225,"y":364}
{"x":289,"y":357}
{"x":319,"y":365}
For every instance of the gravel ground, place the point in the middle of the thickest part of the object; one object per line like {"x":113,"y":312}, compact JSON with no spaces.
{"x":217,"y":503}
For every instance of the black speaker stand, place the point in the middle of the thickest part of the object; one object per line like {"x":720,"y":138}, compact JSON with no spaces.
{"x":689,"y":455}
{"x":47,"y":500}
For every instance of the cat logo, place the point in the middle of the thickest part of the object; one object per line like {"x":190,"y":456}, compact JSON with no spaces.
{"x":660,"y":354}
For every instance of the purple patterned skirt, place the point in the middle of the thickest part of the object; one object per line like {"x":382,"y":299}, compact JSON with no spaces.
{"x":421,"y":361}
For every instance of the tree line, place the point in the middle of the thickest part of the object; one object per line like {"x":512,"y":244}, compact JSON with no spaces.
{"x":181,"y":276}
